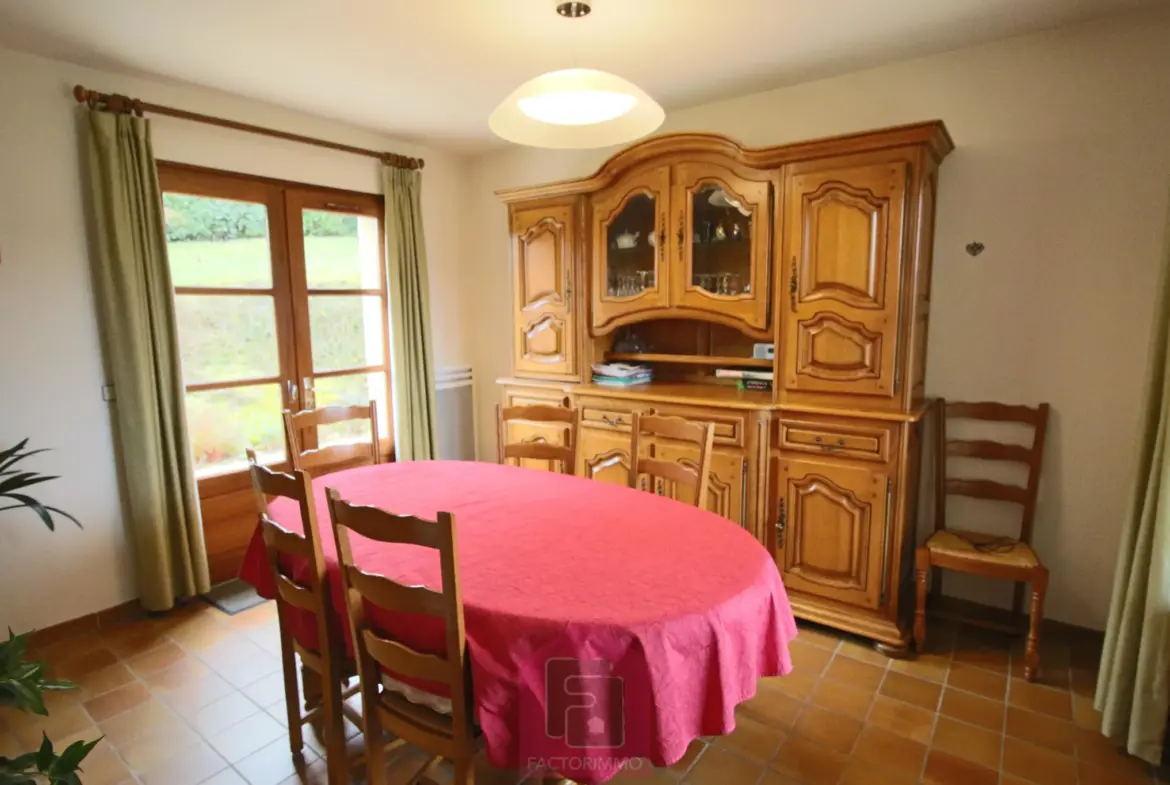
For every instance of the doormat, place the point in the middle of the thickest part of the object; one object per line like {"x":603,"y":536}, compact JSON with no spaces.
{"x":233,"y":596}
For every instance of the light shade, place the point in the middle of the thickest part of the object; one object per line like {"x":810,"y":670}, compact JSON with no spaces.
{"x":576,"y":108}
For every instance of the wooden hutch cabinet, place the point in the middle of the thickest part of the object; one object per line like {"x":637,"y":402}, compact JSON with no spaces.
{"x":685,"y":250}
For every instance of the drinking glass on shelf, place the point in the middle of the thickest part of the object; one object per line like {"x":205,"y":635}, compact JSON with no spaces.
{"x":643,"y":276}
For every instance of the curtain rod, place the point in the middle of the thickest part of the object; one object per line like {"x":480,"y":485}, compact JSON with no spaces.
{"x":120,"y":103}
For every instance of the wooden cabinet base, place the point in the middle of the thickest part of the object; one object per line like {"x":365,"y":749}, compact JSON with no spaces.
{"x":899,"y":652}
{"x":889,"y":635}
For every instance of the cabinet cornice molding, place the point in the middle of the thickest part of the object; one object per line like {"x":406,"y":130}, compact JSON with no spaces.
{"x":933,"y":135}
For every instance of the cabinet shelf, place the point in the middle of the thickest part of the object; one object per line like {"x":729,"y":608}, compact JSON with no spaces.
{"x":690,"y":359}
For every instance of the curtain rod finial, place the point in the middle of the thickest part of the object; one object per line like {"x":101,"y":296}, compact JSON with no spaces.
{"x":81,"y":94}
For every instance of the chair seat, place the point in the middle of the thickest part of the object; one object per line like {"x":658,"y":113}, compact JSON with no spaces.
{"x":436,"y":703}
{"x":962,"y":545}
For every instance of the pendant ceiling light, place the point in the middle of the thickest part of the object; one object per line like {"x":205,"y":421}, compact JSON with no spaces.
{"x":577,"y":107}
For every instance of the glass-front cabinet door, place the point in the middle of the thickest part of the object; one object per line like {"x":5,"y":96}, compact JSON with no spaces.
{"x":723,"y":238}
{"x":629,"y":247}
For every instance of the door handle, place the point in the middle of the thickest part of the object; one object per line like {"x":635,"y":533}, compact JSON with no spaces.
{"x":781,"y":524}
{"x":291,"y":387}
{"x":309,"y":396}
{"x":792,"y":285}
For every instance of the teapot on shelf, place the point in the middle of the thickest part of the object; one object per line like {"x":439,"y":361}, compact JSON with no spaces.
{"x":627,"y":240}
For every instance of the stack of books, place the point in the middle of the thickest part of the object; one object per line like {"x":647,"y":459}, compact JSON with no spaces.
{"x":748,"y":380}
{"x":621,"y":374}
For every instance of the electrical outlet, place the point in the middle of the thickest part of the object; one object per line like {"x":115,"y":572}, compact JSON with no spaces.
{"x":108,"y":392}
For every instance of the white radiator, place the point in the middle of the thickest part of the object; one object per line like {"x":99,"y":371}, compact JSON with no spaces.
{"x":455,"y":402}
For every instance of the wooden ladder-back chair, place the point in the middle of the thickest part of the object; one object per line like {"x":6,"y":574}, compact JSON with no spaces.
{"x":441,"y":735}
{"x":700,"y":434}
{"x":979,"y":553}
{"x":539,"y":451}
{"x":318,"y":461}
{"x":327,"y":664}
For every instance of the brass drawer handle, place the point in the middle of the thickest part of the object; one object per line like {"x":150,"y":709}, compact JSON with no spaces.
{"x":615,"y":423}
{"x":820,"y":440}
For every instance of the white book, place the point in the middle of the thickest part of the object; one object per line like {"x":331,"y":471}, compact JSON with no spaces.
{"x":732,"y":373}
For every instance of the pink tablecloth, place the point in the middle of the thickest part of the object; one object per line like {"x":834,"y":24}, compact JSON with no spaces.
{"x":649,"y":619}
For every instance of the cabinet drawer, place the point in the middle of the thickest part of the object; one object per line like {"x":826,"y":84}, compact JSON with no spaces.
{"x":862,"y":440}
{"x":616,"y":414}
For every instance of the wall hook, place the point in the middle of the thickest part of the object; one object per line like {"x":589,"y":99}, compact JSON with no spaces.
{"x":974,"y":249}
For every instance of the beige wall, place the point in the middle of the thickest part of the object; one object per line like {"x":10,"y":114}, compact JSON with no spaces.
{"x":1061,"y":170}
{"x":50,"y":370}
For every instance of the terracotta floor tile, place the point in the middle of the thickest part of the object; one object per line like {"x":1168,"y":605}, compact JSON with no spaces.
{"x":1084,"y":715}
{"x":861,"y":773}
{"x":864,"y":652}
{"x":1041,"y":729}
{"x":967,"y":741}
{"x":135,"y":637}
{"x":995,"y":661}
{"x":78,"y":666}
{"x":9,"y":746}
{"x":272,"y":764}
{"x":719,"y":767}
{"x":156,"y":659}
{"x":806,"y":763}
{"x":240,"y":740}
{"x":828,"y":729}
{"x":60,"y":723}
{"x":838,"y":696}
{"x":972,"y":709}
{"x":982,"y":682}
{"x":752,"y":739}
{"x":771,"y":777}
{"x":889,"y":751}
{"x":135,"y":722}
{"x":191,"y":766}
{"x":1083,"y":682}
{"x":818,"y":636}
{"x":103,"y":766}
{"x":1094,"y":748}
{"x":158,"y":745}
{"x":268,"y":691}
{"x":1036,"y":697}
{"x":911,"y":690}
{"x":103,"y":680}
{"x":197,"y":693}
{"x":230,"y":777}
{"x":796,"y":684}
{"x":771,"y":704}
{"x":1100,"y":775}
{"x":117,"y":701}
{"x":223,"y":713}
{"x":1037,"y":764}
{"x":944,"y":769}
{"x":684,"y":764}
{"x":180,"y":674}
{"x":855,"y":673}
{"x":911,"y":722}
{"x":929,"y":667}
{"x":807,"y":658}
{"x":199,"y":633}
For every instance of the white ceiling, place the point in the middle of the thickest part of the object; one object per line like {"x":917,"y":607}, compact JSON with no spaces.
{"x":434,"y":69}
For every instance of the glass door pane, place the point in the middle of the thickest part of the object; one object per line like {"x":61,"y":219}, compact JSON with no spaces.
{"x":235,"y":349}
{"x":631,"y":248}
{"x":721,"y":243}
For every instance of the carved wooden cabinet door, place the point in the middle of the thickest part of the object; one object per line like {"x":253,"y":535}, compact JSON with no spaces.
{"x":725,"y":494}
{"x":843,"y":241}
{"x":630,"y":247}
{"x":604,"y":456}
{"x":542,"y":259}
{"x":831,"y":529}
{"x":722,"y":237}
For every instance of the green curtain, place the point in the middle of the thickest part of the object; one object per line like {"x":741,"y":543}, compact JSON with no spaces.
{"x":140,"y":341}
{"x":1133,"y":688}
{"x":411,"y":355}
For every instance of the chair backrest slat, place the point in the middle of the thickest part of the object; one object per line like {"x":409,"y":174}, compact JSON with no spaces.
{"x":374,"y":649}
{"x":333,"y":455}
{"x":676,"y":428}
{"x":1031,"y":456}
{"x":565,"y":454}
{"x":281,"y":544}
{"x":403,"y":661}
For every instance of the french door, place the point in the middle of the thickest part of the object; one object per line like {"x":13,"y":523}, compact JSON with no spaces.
{"x":280,"y":296}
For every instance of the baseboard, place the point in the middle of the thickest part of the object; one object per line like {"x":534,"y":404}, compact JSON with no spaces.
{"x":91,"y":622}
{"x":990,"y":615}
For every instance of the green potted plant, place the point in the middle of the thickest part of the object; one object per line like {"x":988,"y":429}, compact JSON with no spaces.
{"x":23,"y":684}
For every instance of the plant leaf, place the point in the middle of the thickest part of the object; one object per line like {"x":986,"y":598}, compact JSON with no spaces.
{"x":33,"y":505}
{"x":70,"y":760}
{"x":11,"y":460}
{"x":24,"y":480}
{"x":45,"y":755}
{"x":59,"y":511}
{"x":10,"y":451}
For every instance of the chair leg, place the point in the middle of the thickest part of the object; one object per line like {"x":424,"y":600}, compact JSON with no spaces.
{"x":334,"y":728}
{"x":292,"y":697}
{"x":1032,"y":650}
{"x":464,"y":771}
{"x":921,"y":567}
{"x":374,"y":735}
{"x":313,"y":694}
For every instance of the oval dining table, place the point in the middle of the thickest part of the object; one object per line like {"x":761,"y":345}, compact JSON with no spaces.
{"x":577,"y":595}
